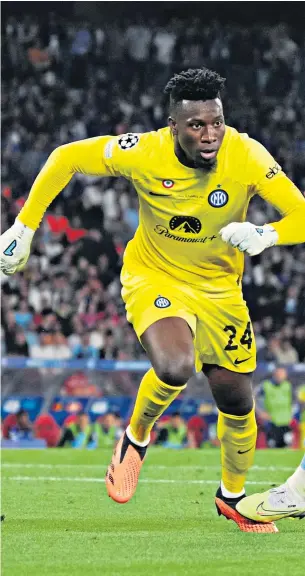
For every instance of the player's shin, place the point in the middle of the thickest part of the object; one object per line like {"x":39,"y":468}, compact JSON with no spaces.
{"x":237,"y":435}
{"x":154,"y":396}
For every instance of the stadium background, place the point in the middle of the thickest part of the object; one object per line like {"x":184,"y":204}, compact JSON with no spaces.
{"x":74,"y":70}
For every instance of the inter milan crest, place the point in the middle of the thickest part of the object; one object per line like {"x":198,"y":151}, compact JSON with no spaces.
{"x":162,"y":302}
{"x":218,"y":198}
{"x":128,"y":141}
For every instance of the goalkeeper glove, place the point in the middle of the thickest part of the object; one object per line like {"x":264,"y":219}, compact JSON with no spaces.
{"x":15,"y":245}
{"x":249,"y":238}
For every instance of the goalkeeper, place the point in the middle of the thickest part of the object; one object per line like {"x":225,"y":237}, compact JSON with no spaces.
{"x":182,"y":271}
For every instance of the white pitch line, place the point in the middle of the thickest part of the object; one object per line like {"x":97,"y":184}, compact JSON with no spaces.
{"x":101,"y":480}
{"x":147,"y":465}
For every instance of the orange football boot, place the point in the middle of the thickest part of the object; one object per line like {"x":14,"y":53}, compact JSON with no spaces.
{"x":124,"y":470}
{"x":226,"y":507}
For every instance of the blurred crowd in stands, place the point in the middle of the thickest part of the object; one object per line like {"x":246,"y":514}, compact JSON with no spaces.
{"x":280,"y":414}
{"x":78,"y":431}
{"x":64,"y":81}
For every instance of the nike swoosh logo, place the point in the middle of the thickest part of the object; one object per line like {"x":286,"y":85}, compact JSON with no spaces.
{"x":241,"y":361}
{"x":151,"y":415}
{"x":260,"y":508}
{"x":160,"y":195}
{"x":244,"y":451}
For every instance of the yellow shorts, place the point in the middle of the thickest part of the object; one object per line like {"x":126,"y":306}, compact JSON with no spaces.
{"x":221,"y":326}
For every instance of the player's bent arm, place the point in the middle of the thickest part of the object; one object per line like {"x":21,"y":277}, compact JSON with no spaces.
{"x":265,"y":176}
{"x":272,"y":184}
{"x":84,"y":156}
{"x":290,"y":202}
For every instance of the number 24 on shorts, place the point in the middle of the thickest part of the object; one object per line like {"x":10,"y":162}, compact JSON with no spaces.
{"x":246,"y":339}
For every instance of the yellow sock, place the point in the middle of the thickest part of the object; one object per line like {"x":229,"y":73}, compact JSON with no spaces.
{"x":237,"y":435}
{"x":153,"y":398}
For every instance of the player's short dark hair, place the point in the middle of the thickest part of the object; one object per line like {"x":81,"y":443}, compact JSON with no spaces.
{"x":194,"y":84}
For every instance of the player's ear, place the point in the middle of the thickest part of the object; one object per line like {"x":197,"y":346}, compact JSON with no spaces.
{"x":173,"y":125}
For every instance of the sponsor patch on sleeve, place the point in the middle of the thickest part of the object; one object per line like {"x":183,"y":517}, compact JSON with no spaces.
{"x":109,"y":148}
{"x":273,"y":171}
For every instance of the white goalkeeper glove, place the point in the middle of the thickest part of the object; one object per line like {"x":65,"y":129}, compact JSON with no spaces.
{"x":15,"y":246}
{"x":249,"y":238}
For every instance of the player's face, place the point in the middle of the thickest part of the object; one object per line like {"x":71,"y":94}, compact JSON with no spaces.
{"x":199,"y":128}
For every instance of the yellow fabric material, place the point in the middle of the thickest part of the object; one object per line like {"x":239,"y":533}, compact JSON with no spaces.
{"x":181,"y":209}
{"x":84,"y":157}
{"x":270,"y":182}
{"x":154,"y":396}
{"x":237,"y":435}
{"x":218,"y":324}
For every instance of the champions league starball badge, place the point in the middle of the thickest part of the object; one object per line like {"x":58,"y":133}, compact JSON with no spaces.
{"x":128,"y":141}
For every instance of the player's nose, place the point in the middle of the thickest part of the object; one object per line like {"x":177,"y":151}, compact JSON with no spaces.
{"x":208,"y":136}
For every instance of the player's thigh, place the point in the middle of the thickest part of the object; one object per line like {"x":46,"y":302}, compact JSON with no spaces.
{"x":226,"y":347}
{"x":165,"y":326}
{"x":225,"y":334}
{"x":169,"y":346}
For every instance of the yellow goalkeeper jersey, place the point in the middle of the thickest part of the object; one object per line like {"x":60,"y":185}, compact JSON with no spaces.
{"x":181,"y":209}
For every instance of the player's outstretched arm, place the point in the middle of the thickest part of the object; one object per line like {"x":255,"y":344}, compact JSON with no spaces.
{"x":86,"y":157}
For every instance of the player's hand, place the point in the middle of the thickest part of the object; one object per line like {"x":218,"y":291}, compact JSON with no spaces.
{"x":249,"y":238}
{"x":15,"y":246}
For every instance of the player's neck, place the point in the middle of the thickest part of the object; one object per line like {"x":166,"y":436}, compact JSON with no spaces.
{"x":182,"y":157}
{"x":188,"y":162}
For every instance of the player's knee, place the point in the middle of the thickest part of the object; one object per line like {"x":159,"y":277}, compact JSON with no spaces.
{"x":232,"y":391}
{"x":175,"y":371}
{"x":238,"y":408}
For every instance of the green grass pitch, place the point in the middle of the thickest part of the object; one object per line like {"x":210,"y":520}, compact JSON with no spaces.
{"x":59,"y":520}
